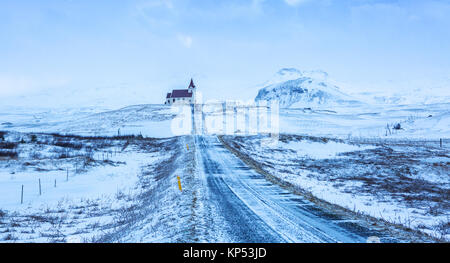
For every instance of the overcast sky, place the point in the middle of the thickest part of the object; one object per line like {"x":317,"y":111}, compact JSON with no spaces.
{"x":227,"y":46}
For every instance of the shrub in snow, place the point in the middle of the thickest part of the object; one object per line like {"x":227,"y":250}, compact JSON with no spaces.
{"x":9,"y":154}
{"x":8,"y":145}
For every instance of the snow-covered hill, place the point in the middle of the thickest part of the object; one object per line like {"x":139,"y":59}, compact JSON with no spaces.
{"x":293,"y":88}
{"x":152,"y":120}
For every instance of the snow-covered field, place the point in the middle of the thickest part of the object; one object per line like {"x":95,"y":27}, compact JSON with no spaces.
{"x":90,"y":187}
{"x":347,"y":155}
{"x":431,"y":121}
{"x":147,"y":120}
{"x":405,"y":182}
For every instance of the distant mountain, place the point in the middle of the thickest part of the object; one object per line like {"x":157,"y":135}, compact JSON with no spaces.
{"x":293,"y":88}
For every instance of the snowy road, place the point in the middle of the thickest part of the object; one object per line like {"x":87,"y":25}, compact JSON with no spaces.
{"x":255,"y":210}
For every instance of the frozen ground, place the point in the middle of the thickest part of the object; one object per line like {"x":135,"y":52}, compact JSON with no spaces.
{"x":247,"y":207}
{"x":112,"y":183}
{"x":402,"y":182}
{"x":147,"y":120}
{"x":430,"y":121}
{"x":124,"y":188}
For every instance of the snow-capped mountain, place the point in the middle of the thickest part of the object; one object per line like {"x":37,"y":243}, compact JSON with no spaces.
{"x":293,"y":88}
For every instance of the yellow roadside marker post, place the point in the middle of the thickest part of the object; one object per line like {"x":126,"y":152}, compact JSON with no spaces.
{"x":187,"y":146}
{"x":179,"y":183}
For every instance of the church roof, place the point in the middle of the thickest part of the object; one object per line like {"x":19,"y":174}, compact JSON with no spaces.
{"x":181,"y":93}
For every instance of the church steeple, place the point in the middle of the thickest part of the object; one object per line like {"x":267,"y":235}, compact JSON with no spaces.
{"x":191,"y":85}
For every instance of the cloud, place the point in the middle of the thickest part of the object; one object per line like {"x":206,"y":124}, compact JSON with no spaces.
{"x":156,"y":3}
{"x":185,"y":40}
{"x":257,"y":5}
{"x":295,"y":2}
{"x":155,"y":12}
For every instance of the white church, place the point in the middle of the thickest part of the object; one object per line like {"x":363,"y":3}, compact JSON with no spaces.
{"x":182,"y":95}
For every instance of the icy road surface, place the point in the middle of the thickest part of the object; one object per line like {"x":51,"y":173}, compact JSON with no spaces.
{"x":255,"y":210}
